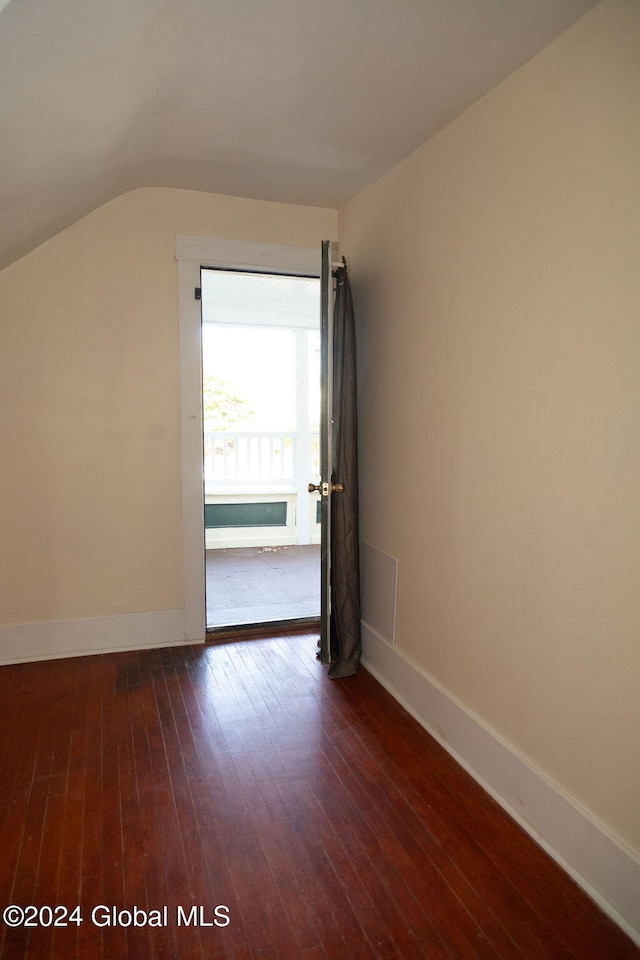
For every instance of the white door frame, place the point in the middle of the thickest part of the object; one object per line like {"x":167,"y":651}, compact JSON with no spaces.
{"x":192,"y":253}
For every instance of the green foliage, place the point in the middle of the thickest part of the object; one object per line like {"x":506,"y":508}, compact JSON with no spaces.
{"x":223,"y":409}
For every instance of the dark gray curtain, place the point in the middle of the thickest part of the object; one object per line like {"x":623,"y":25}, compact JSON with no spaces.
{"x":345,"y":561}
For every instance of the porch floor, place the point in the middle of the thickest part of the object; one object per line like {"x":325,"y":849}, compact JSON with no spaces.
{"x":252,"y":585}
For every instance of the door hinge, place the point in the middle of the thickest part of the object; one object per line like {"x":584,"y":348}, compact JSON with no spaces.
{"x":197,"y":293}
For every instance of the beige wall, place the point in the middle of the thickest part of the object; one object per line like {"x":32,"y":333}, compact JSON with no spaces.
{"x":496,"y":278}
{"x":89,"y":427}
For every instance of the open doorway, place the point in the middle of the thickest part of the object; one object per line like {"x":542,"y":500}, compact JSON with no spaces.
{"x":261,"y":407}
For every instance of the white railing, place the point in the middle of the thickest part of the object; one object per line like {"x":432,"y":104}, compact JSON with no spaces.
{"x":260,"y":461}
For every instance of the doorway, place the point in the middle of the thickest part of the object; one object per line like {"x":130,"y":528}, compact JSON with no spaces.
{"x":261,"y":407}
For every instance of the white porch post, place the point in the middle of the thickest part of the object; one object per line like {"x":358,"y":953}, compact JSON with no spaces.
{"x":303,"y":438}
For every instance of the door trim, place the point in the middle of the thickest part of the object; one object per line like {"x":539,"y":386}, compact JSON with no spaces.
{"x":192,"y":253}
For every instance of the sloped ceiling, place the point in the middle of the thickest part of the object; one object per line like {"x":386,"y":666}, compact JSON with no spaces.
{"x":300,"y":101}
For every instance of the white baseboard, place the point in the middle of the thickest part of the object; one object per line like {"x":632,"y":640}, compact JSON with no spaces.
{"x":607,"y":871}
{"x":50,"y":640}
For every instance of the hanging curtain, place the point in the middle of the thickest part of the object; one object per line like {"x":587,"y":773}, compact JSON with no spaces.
{"x":345,"y":560}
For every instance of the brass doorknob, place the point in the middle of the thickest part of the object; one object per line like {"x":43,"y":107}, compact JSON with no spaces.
{"x":324,"y":488}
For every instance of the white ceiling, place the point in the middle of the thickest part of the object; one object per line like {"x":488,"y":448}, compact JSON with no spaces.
{"x":301,"y":101}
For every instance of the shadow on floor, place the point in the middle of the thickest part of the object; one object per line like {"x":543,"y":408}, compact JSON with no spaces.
{"x":247,"y":585}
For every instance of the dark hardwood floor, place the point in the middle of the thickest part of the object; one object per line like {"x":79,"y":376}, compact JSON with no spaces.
{"x":318,"y":812}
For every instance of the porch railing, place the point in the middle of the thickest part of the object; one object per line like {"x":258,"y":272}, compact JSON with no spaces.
{"x":257,"y":461}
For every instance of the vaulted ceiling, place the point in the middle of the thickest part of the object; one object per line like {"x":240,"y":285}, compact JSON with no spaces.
{"x":300,"y":101}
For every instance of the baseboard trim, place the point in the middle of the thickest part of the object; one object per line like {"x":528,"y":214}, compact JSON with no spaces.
{"x":56,"y":639}
{"x":607,"y":871}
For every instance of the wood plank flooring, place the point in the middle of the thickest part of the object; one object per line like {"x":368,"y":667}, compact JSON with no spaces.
{"x":319,"y":813}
